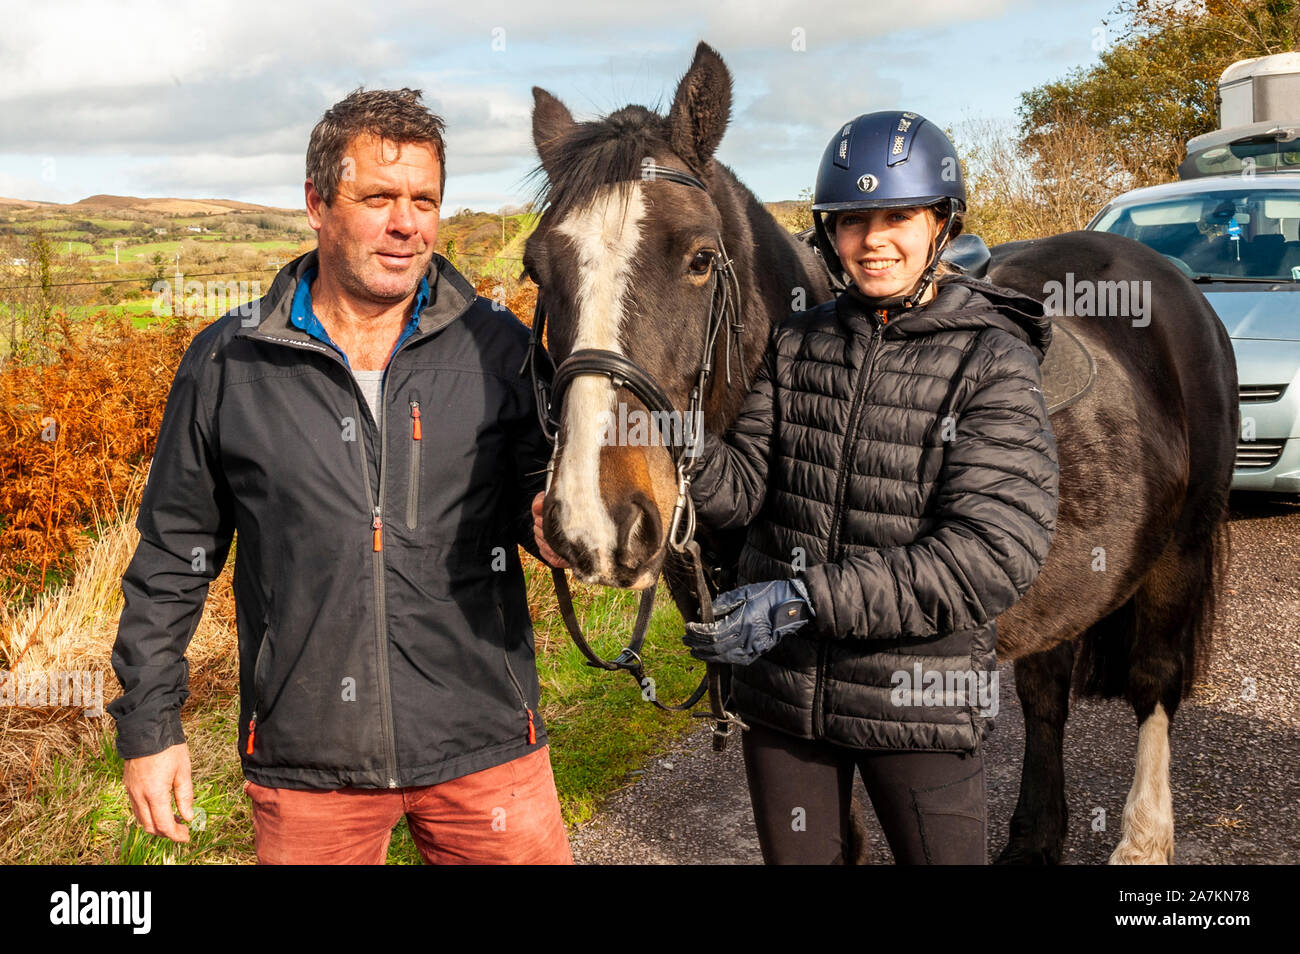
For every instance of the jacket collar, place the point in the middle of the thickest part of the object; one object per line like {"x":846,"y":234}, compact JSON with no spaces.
{"x":450,"y":296}
{"x":959,"y":302}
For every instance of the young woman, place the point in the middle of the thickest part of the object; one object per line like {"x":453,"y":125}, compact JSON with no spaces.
{"x":897,"y":472}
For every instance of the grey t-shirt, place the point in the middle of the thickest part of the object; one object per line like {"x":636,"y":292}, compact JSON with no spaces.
{"x":371,"y":382}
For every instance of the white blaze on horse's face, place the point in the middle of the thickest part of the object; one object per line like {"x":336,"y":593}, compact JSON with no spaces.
{"x":605,"y":235}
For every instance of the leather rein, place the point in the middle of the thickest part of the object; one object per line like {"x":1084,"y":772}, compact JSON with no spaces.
{"x":623,"y":373}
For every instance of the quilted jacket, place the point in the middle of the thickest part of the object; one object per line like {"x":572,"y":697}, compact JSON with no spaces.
{"x":902,"y":464}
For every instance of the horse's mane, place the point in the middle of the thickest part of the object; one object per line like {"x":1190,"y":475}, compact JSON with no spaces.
{"x":596,"y":154}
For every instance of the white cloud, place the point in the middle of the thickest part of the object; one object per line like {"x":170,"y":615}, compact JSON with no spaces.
{"x":221,"y":102}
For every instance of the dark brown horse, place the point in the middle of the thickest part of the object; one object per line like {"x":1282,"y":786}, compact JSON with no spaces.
{"x":1146,"y":455}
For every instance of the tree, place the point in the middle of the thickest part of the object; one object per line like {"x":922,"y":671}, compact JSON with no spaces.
{"x":34,"y":297}
{"x":1155,"y":85}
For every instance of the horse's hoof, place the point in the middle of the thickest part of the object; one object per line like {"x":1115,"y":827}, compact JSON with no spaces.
{"x":1130,"y":852}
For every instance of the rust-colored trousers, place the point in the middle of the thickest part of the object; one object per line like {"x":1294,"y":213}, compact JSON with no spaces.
{"x":508,"y":814}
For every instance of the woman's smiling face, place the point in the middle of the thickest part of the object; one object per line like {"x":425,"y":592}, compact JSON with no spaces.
{"x":885,"y":251}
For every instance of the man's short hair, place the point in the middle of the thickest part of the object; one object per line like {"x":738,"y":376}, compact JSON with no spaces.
{"x":395,"y":115}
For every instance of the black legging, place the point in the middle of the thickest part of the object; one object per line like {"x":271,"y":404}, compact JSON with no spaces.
{"x":931,"y":805}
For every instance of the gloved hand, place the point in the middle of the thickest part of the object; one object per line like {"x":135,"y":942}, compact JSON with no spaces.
{"x":749,"y":621}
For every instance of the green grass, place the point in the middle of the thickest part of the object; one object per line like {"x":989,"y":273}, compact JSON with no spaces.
{"x":271,"y":245}
{"x":603,"y":728}
{"x":82,"y":813}
{"x":62,"y":247}
{"x":143,"y":253}
{"x":141,"y":311}
{"x":116,"y":225}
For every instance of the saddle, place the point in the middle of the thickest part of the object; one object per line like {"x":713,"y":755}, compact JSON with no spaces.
{"x":1068,"y":369}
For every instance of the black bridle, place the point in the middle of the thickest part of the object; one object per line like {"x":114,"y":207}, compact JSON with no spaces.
{"x":724,"y":319}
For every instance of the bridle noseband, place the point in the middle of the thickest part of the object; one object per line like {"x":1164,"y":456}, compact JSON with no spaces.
{"x":623,"y":373}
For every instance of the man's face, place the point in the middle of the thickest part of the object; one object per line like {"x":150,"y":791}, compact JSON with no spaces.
{"x":377,"y":236}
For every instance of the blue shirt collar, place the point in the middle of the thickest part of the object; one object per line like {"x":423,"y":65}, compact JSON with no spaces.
{"x":303,"y":316}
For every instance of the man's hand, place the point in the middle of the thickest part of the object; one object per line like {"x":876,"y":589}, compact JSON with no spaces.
{"x":547,"y":553}
{"x":150,"y":782}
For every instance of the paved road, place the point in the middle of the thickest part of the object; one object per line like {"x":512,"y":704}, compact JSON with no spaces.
{"x":1233,"y":762}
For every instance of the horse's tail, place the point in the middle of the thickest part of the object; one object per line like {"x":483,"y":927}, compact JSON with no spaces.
{"x":1198,"y":559}
{"x":1215,"y":552}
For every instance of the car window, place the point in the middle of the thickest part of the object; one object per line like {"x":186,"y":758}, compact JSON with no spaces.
{"x":1252,"y":234}
{"x":1262,"y":154}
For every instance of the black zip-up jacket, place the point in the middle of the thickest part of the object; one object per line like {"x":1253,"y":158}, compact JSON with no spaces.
{"x":904,"y":467}
{"x":384,"y":635}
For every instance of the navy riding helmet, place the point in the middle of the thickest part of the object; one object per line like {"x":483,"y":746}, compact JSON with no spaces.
{"x":889,"y":160}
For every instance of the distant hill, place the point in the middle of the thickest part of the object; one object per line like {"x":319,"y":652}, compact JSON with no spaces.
{"x":24,"y":203}
{"x":118,"y":203}
{"x":127,"y":203}
{"x":784,"y":210}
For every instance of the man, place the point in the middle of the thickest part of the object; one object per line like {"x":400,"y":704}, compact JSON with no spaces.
{"x":367,"y":434}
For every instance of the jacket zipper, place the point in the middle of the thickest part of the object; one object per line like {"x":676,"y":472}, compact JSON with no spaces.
{"x":377,"y":523}
{"x":252,"y":721}
{"x":532,"y":731}
{"x":833,"y":542}
{"x":413,"y":473}
{"x":377,"y":529}
{"x":377,"y":567}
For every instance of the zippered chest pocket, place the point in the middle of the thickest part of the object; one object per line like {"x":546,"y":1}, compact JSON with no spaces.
{"x":450,"y":456}
{"x":416,"y":465}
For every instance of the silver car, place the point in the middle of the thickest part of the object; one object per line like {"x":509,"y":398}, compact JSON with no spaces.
{"x":1238,"y":237}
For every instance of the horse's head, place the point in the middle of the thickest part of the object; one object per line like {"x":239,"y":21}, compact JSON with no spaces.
{"x":627,"y":264}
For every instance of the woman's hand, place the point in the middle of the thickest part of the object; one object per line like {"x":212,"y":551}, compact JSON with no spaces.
{"x":547,"y":553}
{"x":749,"y":621}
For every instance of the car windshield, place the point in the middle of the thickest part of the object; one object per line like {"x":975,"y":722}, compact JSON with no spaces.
{"x":1253,"y":234}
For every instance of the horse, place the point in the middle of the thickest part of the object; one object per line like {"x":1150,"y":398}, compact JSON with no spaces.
{"x":1125,"y":604}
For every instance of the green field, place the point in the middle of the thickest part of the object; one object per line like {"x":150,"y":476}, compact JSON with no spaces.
{"x":115,"y":225}
{"x":142,"y":313}
{"x":144,"y":252}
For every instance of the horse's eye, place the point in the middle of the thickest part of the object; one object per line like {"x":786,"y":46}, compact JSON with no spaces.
{"x":701,"y":263}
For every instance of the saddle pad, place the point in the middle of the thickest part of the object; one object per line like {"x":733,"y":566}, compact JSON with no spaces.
{"x":1068,"y":369}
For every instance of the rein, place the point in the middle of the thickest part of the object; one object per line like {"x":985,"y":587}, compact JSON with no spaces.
{"x":623,"y":373}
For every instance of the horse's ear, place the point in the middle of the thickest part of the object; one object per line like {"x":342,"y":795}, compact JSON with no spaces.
{"x":701,"y":108}
{"x":551,"y":123}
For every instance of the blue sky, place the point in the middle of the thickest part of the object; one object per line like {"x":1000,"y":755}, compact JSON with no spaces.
{"x":192,"y":100}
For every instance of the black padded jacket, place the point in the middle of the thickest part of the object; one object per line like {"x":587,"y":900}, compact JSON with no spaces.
{"x":903,"y":465}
